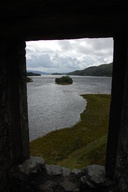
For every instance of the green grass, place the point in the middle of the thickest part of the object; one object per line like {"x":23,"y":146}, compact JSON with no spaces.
{"x":81,"y":145}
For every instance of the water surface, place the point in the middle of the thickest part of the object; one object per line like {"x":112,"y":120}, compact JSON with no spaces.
{"x":52,"y":106}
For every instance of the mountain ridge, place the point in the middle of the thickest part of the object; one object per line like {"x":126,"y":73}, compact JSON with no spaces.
{"x":101,"y":70}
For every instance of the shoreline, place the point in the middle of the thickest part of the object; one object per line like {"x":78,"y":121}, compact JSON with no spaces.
{"x":93,"y":126}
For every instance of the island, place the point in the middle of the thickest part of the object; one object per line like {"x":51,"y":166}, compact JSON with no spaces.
{"x":64,"y":80}
{"x":57,"y":74}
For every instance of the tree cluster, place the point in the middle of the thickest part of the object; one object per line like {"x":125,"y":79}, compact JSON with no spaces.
{"x":65,"y":80}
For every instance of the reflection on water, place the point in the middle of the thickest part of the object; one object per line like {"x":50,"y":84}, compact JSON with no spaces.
{"x":52,"y":106}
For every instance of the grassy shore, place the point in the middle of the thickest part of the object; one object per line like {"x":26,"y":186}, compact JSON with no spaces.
{"x":84,"y":143}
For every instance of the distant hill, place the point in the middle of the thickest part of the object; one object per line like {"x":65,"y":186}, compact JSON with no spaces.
{"x":101,"y":70}
{"x":37,"y":72}
{"x":33,"y":74}
{"x":58,"y":74}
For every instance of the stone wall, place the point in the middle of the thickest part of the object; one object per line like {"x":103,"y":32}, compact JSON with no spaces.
{"x":14,"y":137}
{"x":119,"y":69}
{"x":121,"y":171}
{"x":5,"y":140}
{"x":41,"y":19}
{"x":117,"y":152}
{"x":36,"y":176}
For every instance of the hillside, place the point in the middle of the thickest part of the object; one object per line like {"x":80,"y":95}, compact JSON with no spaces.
{"x":33,"y":74}
{"x":101,"y":70}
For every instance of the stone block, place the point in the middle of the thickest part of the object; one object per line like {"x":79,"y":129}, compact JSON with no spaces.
{"x":53,"y":170}
{"x":32,"y":165}
{"x":93,"y":175}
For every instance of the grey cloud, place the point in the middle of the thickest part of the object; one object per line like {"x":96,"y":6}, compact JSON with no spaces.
{"x":87,"y":60}
{"x":95,"y":46}
{"x":28,"y":50}
{"x":102,"y":43}
{"x":84,"y":49}
{"x":40,"y":61}
{"x":71,"y":63}
{"x":65,"y":45}
{"x":71,"y":55}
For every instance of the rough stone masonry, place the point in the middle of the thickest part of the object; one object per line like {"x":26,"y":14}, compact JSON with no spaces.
{"x":36,"y":176}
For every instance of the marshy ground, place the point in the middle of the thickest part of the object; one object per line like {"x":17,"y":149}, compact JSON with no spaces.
{"x":84,"y":143}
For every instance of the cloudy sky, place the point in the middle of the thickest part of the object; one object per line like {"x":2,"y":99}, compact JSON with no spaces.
{"x":68,"y":55}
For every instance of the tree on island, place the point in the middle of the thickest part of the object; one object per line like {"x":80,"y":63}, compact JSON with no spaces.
{"x":65,"y":80}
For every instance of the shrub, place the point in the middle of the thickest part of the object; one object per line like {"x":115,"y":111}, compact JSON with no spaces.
{"x":29,"y":79}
